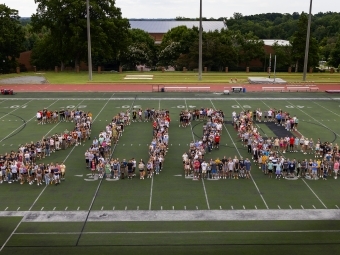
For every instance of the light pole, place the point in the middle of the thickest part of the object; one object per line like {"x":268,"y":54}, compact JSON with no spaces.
{"x":89,"y":40}
{"x":200,"y":46}
{"x":305,"y":65}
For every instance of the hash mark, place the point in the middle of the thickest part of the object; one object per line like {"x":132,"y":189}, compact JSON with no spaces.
{"x":279,"y":207}
{"x":66,"y":208}
{"x":302,"y":207}
{"x":232,"y":208}
{"x":337,"y":206}
{"x":314,"y":207}
{"x":113,"y":208}
{"x":290,"y":207}
{"x":78,"y":208}
{"x":54,"y":208}
{"x":244,"y":207}
{"x":6,"y":208}
{"x":102,"y":208}
{"x":42,"y":208}
{"x":18,"y":209}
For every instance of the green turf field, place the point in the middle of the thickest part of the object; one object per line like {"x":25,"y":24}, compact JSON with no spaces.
{"x":172,"y":77}
{"x":256,"y":216}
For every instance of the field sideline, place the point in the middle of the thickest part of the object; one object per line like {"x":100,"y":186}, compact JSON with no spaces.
{"x":143,"y":210}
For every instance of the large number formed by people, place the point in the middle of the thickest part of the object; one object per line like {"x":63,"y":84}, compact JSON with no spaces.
{"x":267,"y":153}
{"x":22,"y":166}
{"x":99,"y":158}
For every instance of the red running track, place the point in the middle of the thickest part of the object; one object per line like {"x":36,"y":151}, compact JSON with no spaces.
{"x":103,"y":87}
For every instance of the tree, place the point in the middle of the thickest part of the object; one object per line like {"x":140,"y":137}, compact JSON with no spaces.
{"x":335,"y":54}
{"x":66,"y":21}
{"x":141,"y":50}
{"x":284,"y":55}
{"x":299,"y":45}
{"x":249,"y":47}
{"x":11,"y":39}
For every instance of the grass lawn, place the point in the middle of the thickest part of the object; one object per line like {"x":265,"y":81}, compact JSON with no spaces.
{"x":173,"y":77}
{"x":318,"y":117}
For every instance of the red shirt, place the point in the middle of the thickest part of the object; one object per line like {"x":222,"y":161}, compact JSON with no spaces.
{"x":291,"y":140}
{"x":217,"y":139}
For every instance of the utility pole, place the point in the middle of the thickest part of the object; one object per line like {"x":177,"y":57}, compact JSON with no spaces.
{"x":305,"y":65}
{"x":200,"y":46}
{"x":89,"y":40}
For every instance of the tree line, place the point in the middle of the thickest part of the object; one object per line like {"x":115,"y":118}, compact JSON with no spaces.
{"x":56,"y":34}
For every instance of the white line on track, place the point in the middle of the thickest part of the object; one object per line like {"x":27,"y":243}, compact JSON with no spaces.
{"x":181,"y":232}
{"x":232,"y":140}
{"x":193,"y":137}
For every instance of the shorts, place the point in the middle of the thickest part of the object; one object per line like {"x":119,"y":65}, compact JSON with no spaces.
{"x":270,"y":170}
{"x":314,"y":171}
{"x":204,"y":171}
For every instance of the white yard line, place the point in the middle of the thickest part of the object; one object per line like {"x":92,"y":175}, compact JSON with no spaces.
{"x":301,"y":178}
{"x":193,"y":139}
{"x":313,"y":118}
{"x":314,"y":193}
{"x":23,"y":124}
{"x":327,"y":109}
{"x":16,"y":109}
{"x":182,"y":232}
{"x":232,"y":140}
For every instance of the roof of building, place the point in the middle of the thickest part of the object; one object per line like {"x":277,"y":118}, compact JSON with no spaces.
{"x":162,"y":27}
{"x":271,"y":42}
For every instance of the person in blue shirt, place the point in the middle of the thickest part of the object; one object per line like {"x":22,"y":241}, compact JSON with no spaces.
{"x":247,"y":165}
{"x":314,"y":169}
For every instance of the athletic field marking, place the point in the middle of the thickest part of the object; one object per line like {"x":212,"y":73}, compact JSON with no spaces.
{"x":6,"y":208}
{"x":290,"y":207}
{"x":232,"y":208}
{"x":42,"y":208}
{"x":196,"y":207}
{"x":327,"y":109}
{"x":16,"y":109}
{"x":113,"y":208}
{"x":185,"y":207}
{"x":314,"y":193}
{"x":137,"y":208}
{"x":232,"y":140}
{"x":279,"y":207}
{"x":314,"y":207}
{"x":244,"y":207}
{"x":66,"y":208}
{"x":182,"y":232}
{"x":24,"y":124}
{"x":125,"y":208}
{"x":193,"y":137}
{"x":181,"y":98}
{"x":175,"y":215}
{"x":102,"y":208}
{"x":173,"y":207}
{"x":18,"y":209}
{"x":302,"y":207}
{"x":54,"y":208}
{"x":255,"y":207}
{"x":78,"y":208}
{"x":161,"y":207}
{"x":151,"y":193}
{"x":337,"y":206}
{"x":315,"y":119}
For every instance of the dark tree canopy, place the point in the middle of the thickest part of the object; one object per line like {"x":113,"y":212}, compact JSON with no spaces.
{"x":66,"y":21}
{"x":11,"y":38}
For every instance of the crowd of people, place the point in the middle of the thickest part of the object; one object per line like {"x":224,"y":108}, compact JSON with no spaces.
{"x":99,"y":158}
{"x":23,"y":165}
{"x":46,"y":116}
{"x":267,"y":152}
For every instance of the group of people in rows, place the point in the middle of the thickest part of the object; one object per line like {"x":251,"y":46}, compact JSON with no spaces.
{"x":22,"y":165}
{"x":46,"y":116}
{"x":99,"y":159}
{"x":268,"y":152}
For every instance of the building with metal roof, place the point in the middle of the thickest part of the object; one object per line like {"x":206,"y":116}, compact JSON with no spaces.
{"x":271,"y":42}
{"x":157,"y":28}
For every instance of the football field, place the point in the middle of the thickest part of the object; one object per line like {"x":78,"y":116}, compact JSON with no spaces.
{"x":87,"y":215}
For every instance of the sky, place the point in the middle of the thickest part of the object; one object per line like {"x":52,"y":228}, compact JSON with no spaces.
{"x":190,"y":8}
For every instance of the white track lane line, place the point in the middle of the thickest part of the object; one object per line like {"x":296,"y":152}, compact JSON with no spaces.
{"x":193,"y":137}
{"x":232,"y":140}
